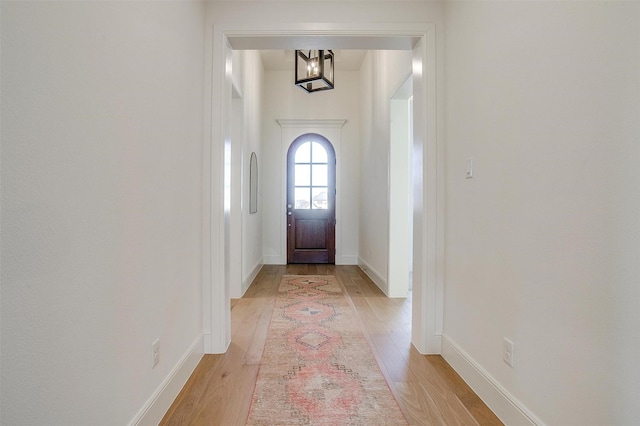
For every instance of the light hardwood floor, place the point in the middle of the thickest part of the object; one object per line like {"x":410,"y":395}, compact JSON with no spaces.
{"x":428,"y":390}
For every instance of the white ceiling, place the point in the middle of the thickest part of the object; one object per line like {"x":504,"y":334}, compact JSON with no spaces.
{"x":283,"y":60}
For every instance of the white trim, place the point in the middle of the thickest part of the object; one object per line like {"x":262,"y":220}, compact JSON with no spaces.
{"x":312,"y":122}
{"x":207,"y":341}
{"x":506,"y":406}
{"x":427,"y":284}
{"x":252,"y":276}
{"x":375,"y":276}
{"x":428,"y":218}
{"x":331,"y":129}
{"x":349,"y":35}
{"x":157,"y":405}
{"x":216,"y":309}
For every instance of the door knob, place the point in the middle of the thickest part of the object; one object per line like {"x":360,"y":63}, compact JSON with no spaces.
{"x":289,"y":213}
{"x":288,"y":206}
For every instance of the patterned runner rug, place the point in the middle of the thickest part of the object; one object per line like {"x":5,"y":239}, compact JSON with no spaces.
{"x":317,"y":368}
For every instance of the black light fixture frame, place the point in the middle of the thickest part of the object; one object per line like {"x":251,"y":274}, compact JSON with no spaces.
{"x":325,"y":79}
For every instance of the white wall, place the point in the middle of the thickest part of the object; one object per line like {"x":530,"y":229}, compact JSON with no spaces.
{"x":400,"y":193}
{"x":101,"y":205}
{"x":382,"y":73}
{"x":542,"y":244}
{"x":252,"y":223}
{"x":283,"y":100}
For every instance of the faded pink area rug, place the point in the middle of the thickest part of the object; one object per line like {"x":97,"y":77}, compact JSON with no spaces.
{"x":317,"y":367}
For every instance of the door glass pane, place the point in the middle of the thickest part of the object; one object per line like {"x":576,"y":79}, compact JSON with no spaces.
{"x":303,"y":199}
{"x":319,"y":153}
{"x":311,"y":176}
{"x":319,"y":175}
{"x":303,"y":175}
{"x":303,"y":153}
{"x":319,"y":198}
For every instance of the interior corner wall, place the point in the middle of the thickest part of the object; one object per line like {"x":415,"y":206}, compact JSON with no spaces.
{"x":381,"y":74}
{"x":102,"y":128}
{"x":283,"y":100}
{"x":542,"y":243}
{"x":252,"y":222}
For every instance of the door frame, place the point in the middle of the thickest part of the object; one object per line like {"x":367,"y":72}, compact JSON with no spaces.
{"x":428,"y":294}
{"x":291,"y":130}
{"x":329,"y":212}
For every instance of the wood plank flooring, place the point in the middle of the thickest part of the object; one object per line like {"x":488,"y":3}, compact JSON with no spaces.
{"x":428,"y":390}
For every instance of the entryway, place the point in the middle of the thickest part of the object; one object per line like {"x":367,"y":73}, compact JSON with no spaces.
{"x":427,"y":173}
{"x":311,"y":200}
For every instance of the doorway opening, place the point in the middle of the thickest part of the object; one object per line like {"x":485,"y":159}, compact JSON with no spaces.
{"x":428,"y":190}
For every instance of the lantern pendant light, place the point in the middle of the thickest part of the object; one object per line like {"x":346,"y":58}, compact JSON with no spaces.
{"x":314,"y":70}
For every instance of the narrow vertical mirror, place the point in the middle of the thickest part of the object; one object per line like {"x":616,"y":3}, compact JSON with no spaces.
{"x":253,"y":184}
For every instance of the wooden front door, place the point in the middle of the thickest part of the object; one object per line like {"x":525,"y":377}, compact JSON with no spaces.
{"x":311,"y":200}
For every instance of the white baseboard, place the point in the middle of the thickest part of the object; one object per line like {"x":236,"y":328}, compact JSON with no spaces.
{"x":252,"y":276}
{"x":160,"y":401}
{"x":212,"y":346}
{"x":340,"y":260}
{"x":207,"y":340}
{"x":507,"y":407}
{"x":374,"y":275}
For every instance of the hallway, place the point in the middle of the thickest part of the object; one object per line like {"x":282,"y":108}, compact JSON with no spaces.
{"x":428,"y":390}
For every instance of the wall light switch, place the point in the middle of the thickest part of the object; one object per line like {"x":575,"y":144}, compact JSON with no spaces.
{"x":507,"y":351}
{"x":155,"y":353}
{"x":469,"y":168}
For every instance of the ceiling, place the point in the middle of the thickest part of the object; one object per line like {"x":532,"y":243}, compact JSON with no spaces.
{"x":283,"y":60}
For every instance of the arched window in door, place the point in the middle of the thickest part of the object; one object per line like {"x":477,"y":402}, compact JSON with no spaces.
{"x":311,"y":182}
{"x":311,"y":176}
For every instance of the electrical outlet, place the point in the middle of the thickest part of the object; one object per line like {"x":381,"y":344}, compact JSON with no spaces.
{"x":507,"y":351}
{"x":155,"y":353}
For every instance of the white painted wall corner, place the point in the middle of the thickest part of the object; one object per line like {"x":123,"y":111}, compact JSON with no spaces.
{"x":374,"y":275}
{"x":157,"y":405}
{"x":347,"y":260}
{"x":252,"y":276}
{"x":506,"y":406}
{"x":273,"y":260}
